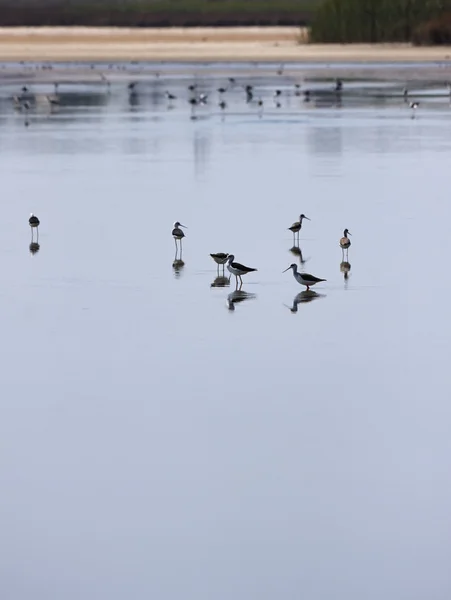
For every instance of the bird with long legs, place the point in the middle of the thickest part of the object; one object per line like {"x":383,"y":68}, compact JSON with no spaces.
{"x":304,"y":278}
{"x":193,"y":102}
{"x":170,"y":98}
{"x":237,"y":269}
{"x":178,"y":234}
{"x":222,"y":105}
{"x":345,"y":242}
{"x":34,"y":223}
{"x":297,"y":226}
{"x":220,"y":258}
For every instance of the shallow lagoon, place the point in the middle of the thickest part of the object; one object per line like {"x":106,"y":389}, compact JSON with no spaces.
{"x":159,"y":437}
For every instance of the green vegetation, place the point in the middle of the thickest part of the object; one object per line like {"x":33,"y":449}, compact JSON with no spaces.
{"x":157,"y":13}
{"x":418,"y":21}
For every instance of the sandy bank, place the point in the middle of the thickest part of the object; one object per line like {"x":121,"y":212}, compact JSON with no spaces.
{"x":197,"y":44}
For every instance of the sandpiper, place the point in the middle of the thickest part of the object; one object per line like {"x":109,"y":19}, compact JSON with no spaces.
{"x":345,"y":242}
{"x":304,"y":278}
{"x":237,"y":269}
{"x":297,"y":226}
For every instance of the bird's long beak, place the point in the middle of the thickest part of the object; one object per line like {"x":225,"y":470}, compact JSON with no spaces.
{"x":349,"y":233}
{"x":307,"y":218}
{"x":183,"y":226}
{"x":286,"y":270}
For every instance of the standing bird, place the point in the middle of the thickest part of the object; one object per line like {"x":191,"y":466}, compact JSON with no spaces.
{"x":194,"y":103}
{"x":304,"y":278}
{"x":297,"y":226}
{"x":222,"y":105}
{"x":34,"y":224}
{"x":177,"y":233}
{"x":237,"y":269}
{"x":413,"y":106}
{"x":220,"y":258}
{"x":345,"y":242}
{"x":33,"y":220}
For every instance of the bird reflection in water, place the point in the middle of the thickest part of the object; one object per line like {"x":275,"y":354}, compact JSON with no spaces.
{"x":303,"y":298}
{"x":345,"y":268}
{"x":34,"y":248}
{"x":220,"y":281}
{"x":296,"y":251}
{"x":238,"y":296}
{"x":178,"y":266}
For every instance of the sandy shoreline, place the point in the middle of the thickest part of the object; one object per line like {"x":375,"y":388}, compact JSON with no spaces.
{"x":197,"y":44}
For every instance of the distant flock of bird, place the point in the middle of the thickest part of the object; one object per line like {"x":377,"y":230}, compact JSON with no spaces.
{"x":238,"y":269}
{"x":26,"y":100}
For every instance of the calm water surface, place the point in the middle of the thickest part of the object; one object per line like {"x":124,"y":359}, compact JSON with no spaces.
{"x":159,"y":438}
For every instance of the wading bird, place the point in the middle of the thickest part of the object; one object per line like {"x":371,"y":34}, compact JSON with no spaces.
{"x":304,"y":278}
{"x":297,"y":226}
{"x":345,"y":242}
{"x":237,"y":269}
{"x":177,"y":233}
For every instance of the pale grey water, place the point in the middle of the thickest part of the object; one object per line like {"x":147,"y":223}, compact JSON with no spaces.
{"x":155,"y":443}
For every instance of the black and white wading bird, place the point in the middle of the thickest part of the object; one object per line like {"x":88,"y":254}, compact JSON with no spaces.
{"x":237,"y":269}
{"x":345,"y":242}
{"x":297,"y":226}
{"x":177,"y":233}
{"x":220,"y":258}
{"x":170,"y":97}
{"x":413,"y":107}
{"x":34,"y":222}
{"x":304,"y":278}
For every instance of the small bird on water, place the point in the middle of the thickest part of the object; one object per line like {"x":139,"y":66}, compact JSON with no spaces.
{"x":297,"y":226}
{"x":177,"y":233}
{"x":220,"y":258}
{"x":237,"y":269}
{"x":34,"y":224}
{"x":33,"y":221}
{"x":345,"y":242}
{"x":413,"y":107}
{"x":304,"y":278}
